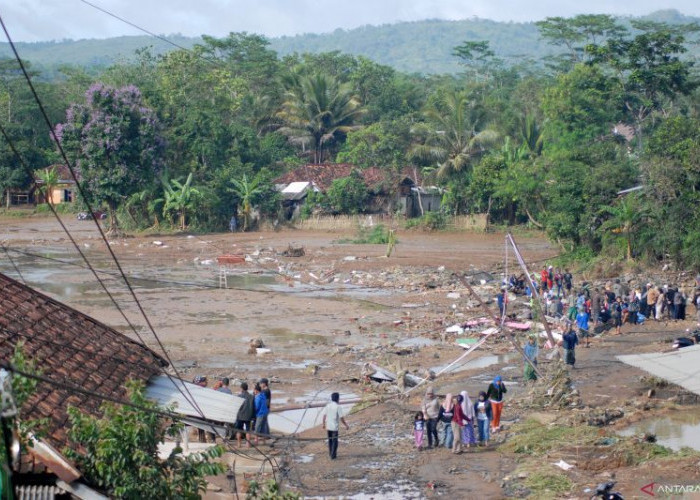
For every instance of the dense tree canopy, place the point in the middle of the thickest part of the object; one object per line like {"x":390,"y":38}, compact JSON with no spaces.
{"x":548,"y":143}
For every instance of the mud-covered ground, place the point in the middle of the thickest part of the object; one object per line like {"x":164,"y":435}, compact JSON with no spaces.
{"x":326,"y":313}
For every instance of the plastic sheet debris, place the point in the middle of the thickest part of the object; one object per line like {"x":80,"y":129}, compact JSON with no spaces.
{"x":563,"y":465}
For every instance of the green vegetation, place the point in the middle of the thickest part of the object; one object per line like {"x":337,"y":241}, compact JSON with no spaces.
{"x":270,"y":490}
{"x":119,"y":452}
{"x":533,"y":438}
{"x":610,"y":105}
{"x":377,"y":235}
{"x":548,"y":484}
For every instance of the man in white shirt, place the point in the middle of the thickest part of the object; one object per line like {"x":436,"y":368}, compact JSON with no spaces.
{"x":332,"y":416}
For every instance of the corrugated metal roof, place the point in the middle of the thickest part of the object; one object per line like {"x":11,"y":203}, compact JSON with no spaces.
{"x":216,"y":406}
{"x":681,"y":367}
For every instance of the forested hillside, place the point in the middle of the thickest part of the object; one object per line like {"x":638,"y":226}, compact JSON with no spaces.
{"x":186,"y":139}
{"x":416,"y":47}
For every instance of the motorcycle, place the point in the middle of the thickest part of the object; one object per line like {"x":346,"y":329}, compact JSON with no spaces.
{"x":604,"y":491}
{"x":693,"y":338}
{"x":97,"y":214}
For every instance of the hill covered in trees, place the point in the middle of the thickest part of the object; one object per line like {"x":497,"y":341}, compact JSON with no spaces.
{"x":413,"y":47}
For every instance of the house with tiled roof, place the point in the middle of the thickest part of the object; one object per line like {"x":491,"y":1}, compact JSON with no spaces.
{"x":74,"y":350}
{"x":64,"y":191}
{"x":388,"y":188}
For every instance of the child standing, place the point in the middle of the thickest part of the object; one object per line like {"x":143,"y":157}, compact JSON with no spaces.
{"x":418,"y":430}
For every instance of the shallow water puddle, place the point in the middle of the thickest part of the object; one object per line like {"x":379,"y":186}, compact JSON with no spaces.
{"x":675,"y":431}
{"x":482,"y":362}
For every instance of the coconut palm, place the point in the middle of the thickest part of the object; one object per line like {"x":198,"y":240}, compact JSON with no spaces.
{"x":451,"y":135}
{"x":318,"y":110}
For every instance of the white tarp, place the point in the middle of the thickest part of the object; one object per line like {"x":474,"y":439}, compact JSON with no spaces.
{"x":216,"y":406}
{"x":681,"y":367}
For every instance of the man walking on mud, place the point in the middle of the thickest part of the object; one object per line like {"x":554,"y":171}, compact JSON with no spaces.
{"x":332,"y":417}
{"x":431,"y":409}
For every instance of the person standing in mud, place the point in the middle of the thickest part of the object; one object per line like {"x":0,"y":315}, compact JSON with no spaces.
{"x":332,"y":417}
{"x":468,"y":436}
{"x":531,"y":350}
{"x":495,"y":393}
{"x":483,"y":411}
{"x":261,"y":412}
{"x":458,"y":421}
{"x":445,"y":416}
{"x":569,"y":342}
{"x":431,"y":412}
{"x":265,"y":386}
{"x":245,"y":415}
{"x":616,"y":315}
{"x":419,"y":430}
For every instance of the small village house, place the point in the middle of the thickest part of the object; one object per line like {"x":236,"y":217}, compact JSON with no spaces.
{"x":389,"y":191}
{"x":63,"y":191}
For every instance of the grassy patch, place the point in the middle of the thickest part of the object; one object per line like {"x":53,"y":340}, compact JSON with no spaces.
{"x":548,"y":484}
{"x":633,"y":452}
{"x":377,"y":235}
{"x":534,"y":438}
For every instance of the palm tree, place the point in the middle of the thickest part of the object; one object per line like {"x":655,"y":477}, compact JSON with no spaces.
{"x":246,"y":191}
{"x":317,"y":110}
{"x":451,"y":136}
{"x":179,"y":198}
{"x":532,"y":134}
{"x":49,"y":180}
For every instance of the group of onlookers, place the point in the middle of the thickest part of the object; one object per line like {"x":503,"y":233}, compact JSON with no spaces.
{"x":252,"y":414}
{"x":456,"y":417}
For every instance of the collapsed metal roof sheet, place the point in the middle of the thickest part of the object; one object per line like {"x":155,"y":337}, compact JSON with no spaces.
{"x":681,"y":367}
{"x":216,"y":406}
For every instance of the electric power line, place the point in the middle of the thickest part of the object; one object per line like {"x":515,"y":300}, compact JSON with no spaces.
{"x":79,"y":186}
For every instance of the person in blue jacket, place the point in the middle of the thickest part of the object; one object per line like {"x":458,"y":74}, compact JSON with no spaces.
{"x":261,"y":412}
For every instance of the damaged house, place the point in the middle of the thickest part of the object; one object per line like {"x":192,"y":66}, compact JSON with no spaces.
{"x":75,"y":350}
{"x":389,"y":191}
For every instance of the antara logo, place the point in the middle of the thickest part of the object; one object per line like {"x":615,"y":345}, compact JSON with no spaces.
{"x":648,"y":489}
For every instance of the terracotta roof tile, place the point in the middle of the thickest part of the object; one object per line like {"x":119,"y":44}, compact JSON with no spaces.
{"x":70,"y":347}
{"x":377,"y":179}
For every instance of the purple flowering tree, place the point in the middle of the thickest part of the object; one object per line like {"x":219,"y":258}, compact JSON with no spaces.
{"x":115,"y":142}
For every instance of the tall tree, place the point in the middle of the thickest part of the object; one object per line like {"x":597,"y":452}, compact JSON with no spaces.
{"x":115,"y":142}
{"x":648,"y":68}
{"x":452,"y":135}
{"x":318,"y":111}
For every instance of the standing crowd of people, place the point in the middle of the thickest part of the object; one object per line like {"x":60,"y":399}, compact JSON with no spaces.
{"x":458,"y":422}
{"x":251,"y":419}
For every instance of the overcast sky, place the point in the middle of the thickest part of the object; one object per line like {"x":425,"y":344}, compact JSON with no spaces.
{"x":33,"y":20}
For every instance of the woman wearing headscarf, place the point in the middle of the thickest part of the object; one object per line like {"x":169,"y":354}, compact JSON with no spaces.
{"x":468,"y":436}
{"x":531,"y":351}
{"x":495,"y":394}
{"x":457,"y":425}
{"x":447,"y":410}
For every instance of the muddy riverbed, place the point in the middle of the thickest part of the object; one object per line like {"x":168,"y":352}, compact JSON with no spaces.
{"x":322,"y":316}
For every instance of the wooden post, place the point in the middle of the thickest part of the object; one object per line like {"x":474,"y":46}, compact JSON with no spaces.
{"x":511,"y":337}
{"x":536,"y":301}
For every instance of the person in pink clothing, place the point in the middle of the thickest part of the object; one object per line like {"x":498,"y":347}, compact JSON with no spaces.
{"x":419,"y":430}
